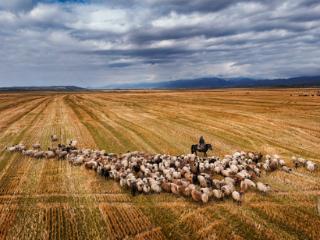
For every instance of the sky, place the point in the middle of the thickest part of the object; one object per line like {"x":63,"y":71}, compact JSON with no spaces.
{"x":94,"y":43}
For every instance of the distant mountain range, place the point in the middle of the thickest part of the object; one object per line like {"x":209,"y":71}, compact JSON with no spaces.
{"x":44,"y":88}
{"x":197,"y":83}
{"x":214,"y":82}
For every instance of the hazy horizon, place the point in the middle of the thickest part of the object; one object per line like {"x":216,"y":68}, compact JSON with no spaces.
{"x":93,"y":43}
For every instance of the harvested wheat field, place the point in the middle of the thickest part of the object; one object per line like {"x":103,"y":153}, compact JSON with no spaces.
{"x":51,"y":199}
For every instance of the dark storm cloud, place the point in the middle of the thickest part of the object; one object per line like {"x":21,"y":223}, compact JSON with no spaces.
{"x":205,"y":6}
{"x":190,"y":6}
{"x":143,"y":37}
{"x":308,"y":3}
{"x":16,"y":5}
{"x":152,"y":55}
{"x":305,"y":18}
{"x":96,"y":42}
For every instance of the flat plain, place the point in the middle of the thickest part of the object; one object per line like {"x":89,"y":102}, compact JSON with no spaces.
{"x":50,"y":199}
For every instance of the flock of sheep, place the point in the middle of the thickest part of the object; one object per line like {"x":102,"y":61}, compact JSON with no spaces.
{"x":202,"y":179}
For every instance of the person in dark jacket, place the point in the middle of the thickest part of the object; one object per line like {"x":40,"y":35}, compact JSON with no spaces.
{"x":201,"y":144}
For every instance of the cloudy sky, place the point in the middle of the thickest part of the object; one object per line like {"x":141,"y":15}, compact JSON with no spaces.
{"x":97,"y":43}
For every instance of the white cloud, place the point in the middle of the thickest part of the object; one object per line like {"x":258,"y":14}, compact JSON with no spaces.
{"x":7,"y":17}
{"x":228,"y":69}
{"x":174,"y":20}
{"x":47,"y":13}
{"x":97,"y":18}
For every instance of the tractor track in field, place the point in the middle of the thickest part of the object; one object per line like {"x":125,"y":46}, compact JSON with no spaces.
{"x":17,"y":118}
{"x":16,"y":104}
{"x":107,"y":128}
{"x":9,"y":180}
{"x":19,"y":137}
{"x":137,"y":133}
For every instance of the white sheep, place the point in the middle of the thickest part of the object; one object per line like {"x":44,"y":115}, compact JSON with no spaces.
{"x":12,"y":149}
{"x":174,"y":188}
{"x":146,"y":188}
{"x":236,"y":197}
{"x":264,"y":188}
{"x":91,"y":164}
{"x":282,"y":162}
{"x":286,"y":169}
{"x":61,"y":154}
{"x":199,"y":197}
{"x":54,"y":138}
{"x":187,"y":190}
{"x":73,"y":143}
{"x":155,"y":186}
{"x":176,"y":175}
{"x":234,"y":169}
{"x":123,"y":182}
{"x":49,"y":154}
{"x":227,"y":189}
{"x":310,"y":166}
{"x":229,"y":180}
{"x":218,"y":194}
{"x":29,"y":152}
{"x":202,"y":181}
{"x":39,"y":154}
{"x":78,"y":160}
{"x":140,"y":185}
{"x":36,"y":146}
{"x":226,"y":172}
{"x":246,"y":184}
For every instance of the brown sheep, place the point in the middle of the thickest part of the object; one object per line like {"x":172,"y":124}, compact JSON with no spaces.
{"x":166,"y":186}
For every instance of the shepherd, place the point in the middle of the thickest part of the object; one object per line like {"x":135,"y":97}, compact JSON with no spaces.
{"x":201,"y":147}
